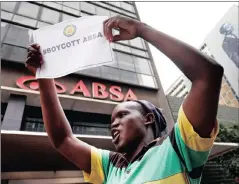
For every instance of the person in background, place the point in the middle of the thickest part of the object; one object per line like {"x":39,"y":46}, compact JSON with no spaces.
{"x":142,"y":154}
{"x":230,"y":43}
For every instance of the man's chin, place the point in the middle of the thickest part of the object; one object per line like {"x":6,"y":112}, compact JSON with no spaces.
{"x":120,"y":148}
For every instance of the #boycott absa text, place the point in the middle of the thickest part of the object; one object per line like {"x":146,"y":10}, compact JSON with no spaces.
{"x":72,"y":43}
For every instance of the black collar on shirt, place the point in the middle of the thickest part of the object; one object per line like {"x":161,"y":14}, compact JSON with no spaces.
{"x":119,"y":160}
{"x":122,"y":160}
{"x":155,"y":142}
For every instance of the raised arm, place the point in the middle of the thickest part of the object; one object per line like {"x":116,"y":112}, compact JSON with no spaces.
{"x":55,"y":121}
{"x":200,"y":105}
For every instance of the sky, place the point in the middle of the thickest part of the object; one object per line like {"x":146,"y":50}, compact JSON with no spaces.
{"x":187,"y":21}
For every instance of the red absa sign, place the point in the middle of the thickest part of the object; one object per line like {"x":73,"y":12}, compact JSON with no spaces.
{"x":33,"y":84}
{"x":99,"y":90}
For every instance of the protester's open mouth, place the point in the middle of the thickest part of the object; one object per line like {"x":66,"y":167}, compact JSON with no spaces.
{"x":115,"y":135}
{"x":116,"y":139}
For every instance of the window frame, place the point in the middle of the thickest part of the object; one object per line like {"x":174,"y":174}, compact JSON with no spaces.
{"x":84,"y":10}
{"x":14,"y":9}
{"x":153,"y":81}
{"x":42,"y":10}
{"x":17,"y":15}
{"x":138,"y":69}
{"x":27,"y":15}
{"x":122,"y":61}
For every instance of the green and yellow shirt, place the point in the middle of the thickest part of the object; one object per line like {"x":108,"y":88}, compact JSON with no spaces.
{"x":158,"y":162}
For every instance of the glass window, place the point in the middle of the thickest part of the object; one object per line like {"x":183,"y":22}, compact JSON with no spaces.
{"x":104,"y":4}
{"x":88,"y":7}
{"x":34,"y":124}
{"x":40,"y":127}
{"x":130,"y":14}
{"x":6,"y":15}
{"x":18,"y":36}
{"x":151,"y":69}
{"x":102,"y":11}
{"x":49,"y":15}
{"x":75,"y":5}
{"x":70,"y":10}
{"x":91,"y":71}
{"x":133,"y":9}
{"x":54,"y":5}
{"x":125,"y":61}
{"x":9,"y":6}
{"x":110,"y":73}
{"x":137,"y":42}
{"x":139,"y":52}
{"x":13,"y":53}
{"x":115,"y":63}
{"x":84,"y":14}
{"x":143,"y":43}
{"x":126,"y":6}
{"x":122,"y":47}
{"x":135,"y":16}
{"x":115,"y":3}
{"x":129,"y":77}
{"x":42,"y":24}
{"x":124,"y":42}
{"x":24,"y":20}
{"x":95,"y":2}
{"x":67,"y":17}
{"x":142,"y":65}
{"x":89,"y":129}
{"x":28,"y":9}
{"x":4,"y":27}
{"x":146,"y":80}
{"x":113,"y":14}
{"x":29,"y":126}
{"x":116,"y":9}
{"x":101,"y":4}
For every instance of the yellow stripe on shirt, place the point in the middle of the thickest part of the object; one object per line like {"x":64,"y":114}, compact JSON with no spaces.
{"x":179,"y":178}
{"x":97,"y":175}
{"x":191,"y":138}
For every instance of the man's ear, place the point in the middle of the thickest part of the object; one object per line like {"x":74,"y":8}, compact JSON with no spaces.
{"x":149,"y":119}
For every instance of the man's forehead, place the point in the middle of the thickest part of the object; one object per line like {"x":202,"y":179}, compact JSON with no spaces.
{"x":128,"y":105}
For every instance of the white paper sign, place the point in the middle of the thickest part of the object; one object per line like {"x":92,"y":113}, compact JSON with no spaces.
{"x":73,"y":45}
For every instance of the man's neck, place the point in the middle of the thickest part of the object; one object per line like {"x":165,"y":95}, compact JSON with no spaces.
{"x":135,"y":150}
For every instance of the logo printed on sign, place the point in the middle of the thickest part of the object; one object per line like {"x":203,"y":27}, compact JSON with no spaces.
{"x":69,"y":30}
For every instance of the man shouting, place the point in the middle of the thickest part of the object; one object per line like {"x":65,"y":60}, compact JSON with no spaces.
{"x":142,"y":155}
